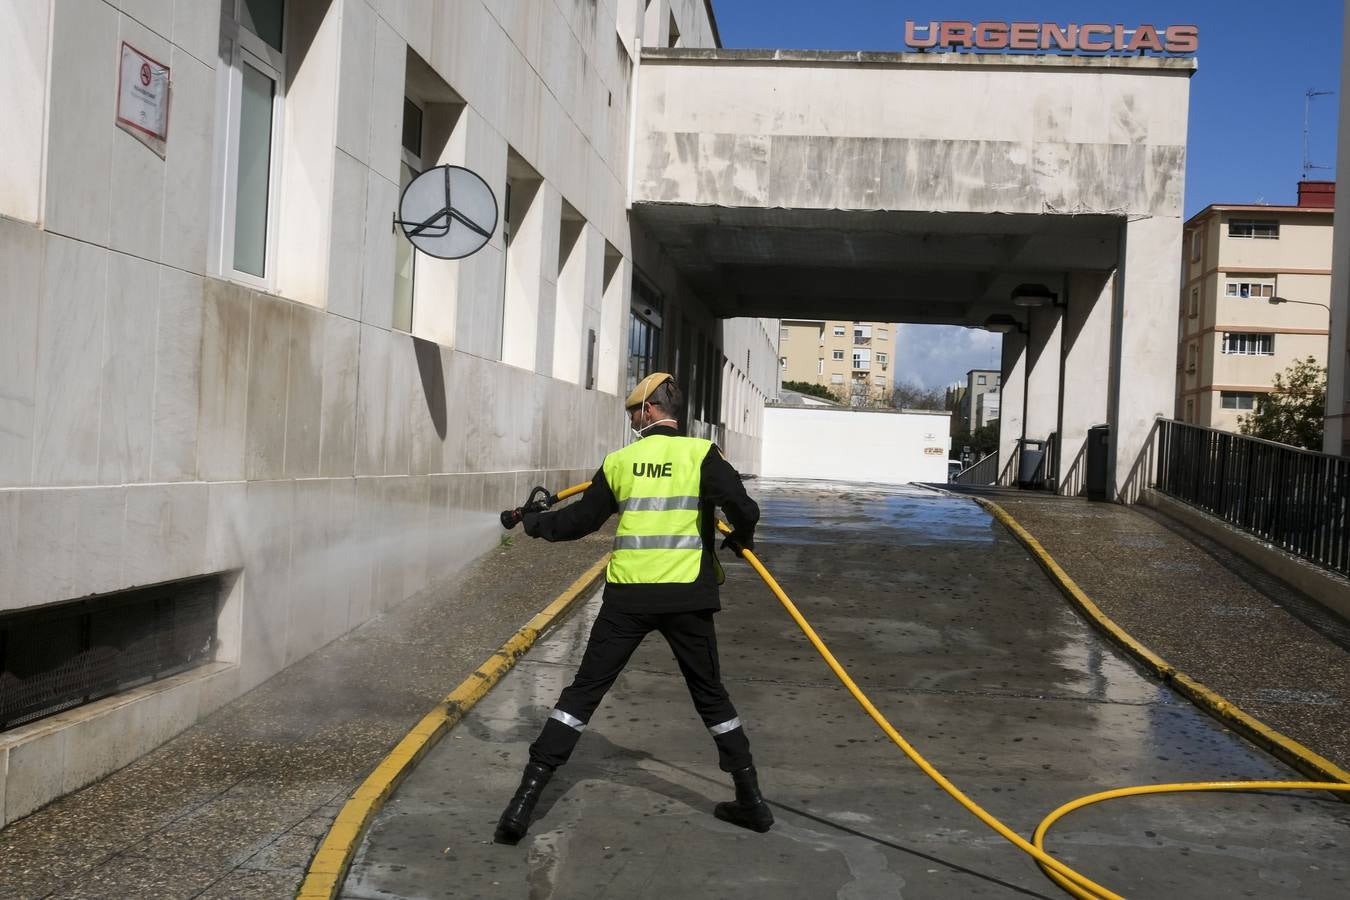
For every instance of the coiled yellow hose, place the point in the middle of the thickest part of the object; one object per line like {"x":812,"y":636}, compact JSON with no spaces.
{"x":1076,"y":883}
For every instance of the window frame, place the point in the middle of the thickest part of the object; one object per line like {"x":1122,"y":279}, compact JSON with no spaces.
{"x":416,"y":162}
{"x":1237,"y":397}
{"x":837,"y":355}
{"x":1252,"y":225}
{"x":245,"y":48}
{"x":1257,"y":289}
{"x":1248,"y":343}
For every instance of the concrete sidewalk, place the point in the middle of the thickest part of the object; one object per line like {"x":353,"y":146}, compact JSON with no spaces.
{"x":1265,"y":647}
{"x":234,"y":808}
{"x":957,"y":636}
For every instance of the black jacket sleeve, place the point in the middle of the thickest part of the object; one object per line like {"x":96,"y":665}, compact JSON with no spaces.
{"x":578,"y":519}
{"x":722,"y":486}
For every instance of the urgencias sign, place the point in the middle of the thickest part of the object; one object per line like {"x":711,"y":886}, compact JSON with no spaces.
{"x":1050,"y":37}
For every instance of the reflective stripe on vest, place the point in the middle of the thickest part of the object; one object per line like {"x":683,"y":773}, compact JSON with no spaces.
{"x":656,"y":483}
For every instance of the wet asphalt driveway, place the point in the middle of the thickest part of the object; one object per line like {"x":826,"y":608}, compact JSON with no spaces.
{"x":957,"y":636}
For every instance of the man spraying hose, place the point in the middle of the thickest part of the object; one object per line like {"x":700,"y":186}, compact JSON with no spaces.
{"x":662,"y":576}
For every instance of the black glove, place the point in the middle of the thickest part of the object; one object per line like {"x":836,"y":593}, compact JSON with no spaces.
{"x":738,"y":541}
{"x":531,"y":522}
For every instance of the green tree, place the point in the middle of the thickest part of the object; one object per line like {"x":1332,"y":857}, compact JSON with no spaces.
{"x":1292,"y":412}
{"x":806,"y":387}
{"x":912,"y":395}
{"x":982,"y":441}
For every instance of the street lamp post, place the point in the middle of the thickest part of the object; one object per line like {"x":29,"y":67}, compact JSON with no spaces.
{"x":1276,"y":301}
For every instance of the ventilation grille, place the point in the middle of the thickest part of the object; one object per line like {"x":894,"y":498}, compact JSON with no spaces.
{"x":66,"y":655}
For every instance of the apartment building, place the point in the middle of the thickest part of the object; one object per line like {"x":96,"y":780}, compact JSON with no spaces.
{"x":1255,"y":298}
{"x":852,"y":359}
{"x":980,"y":399}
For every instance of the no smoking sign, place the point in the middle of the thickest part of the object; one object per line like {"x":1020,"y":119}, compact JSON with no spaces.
{"x":143,"y":94}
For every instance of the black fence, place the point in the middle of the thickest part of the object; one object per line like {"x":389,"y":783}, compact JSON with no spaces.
{"x":62,"y":656}
{"x":1295,"y":499}
{"x":983,"y":472}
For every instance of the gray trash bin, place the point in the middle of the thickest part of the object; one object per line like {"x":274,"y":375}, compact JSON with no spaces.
{"x":1031,"y":461}
{"x":1098,"y":450}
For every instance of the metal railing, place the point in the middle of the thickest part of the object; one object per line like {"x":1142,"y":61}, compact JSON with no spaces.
{"x":1296,"y":499}
{"x":983,"y":472}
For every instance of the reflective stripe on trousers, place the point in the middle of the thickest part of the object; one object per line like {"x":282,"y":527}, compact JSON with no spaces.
{"x":568,"y":719}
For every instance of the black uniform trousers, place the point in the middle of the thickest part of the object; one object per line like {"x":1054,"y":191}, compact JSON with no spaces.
{"x":614,"y":636}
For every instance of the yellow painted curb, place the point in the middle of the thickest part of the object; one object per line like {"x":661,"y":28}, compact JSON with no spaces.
{"x":328,"y":869}
{"x":1284,"y":748}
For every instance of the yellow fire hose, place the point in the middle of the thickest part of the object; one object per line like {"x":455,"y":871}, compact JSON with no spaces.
{"x":1074,"y":882}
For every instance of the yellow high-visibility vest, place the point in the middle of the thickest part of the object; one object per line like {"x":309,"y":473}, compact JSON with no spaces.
{"x":656,"y":482}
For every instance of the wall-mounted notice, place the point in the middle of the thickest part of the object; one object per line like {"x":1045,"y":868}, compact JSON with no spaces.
{"x":143,"y":94}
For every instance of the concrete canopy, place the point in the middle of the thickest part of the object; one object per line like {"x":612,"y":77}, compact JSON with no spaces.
{"x":882,"y":265}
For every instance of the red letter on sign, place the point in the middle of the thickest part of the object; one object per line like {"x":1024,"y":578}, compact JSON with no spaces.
{"x":1183,"y":39}
{"x":1063,"y":39}
{"x":1025,"y":36}
{"x":912,"y":38}
{"x":957,"y":34}
{"x":1145,"y":38}
{"x":991,"y":36}
{"x":1087,"y":44}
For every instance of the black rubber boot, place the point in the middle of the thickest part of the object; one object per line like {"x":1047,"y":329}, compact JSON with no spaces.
{"x":516,"y":817}
{"x":749,"y":809}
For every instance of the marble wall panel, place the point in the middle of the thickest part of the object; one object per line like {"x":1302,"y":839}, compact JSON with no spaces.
{"x":440,"y":540}
{"x":226,"y":523}
{"x":386,"y":107}
{"x":99,"y":744}
{"x":312,"y":560}
{"x":24,"y":42}
{"x":377,"y":277}
{"x":69,"y":362}
{"x":355,"y":77}
{"x":267,"y":556}
{"x":304,"y":399}
{"x":348,"y":227}
{"x":48,"y":526}
{"x":80,"y":134}
{"x":226,"y":314}
{"x":348,"y":576}
{"x":36,"y":773}
{"x":100,"y":541}
{"x":453,"y":447}
{"x":269,"y":351}
{"x":10,"y":564}
{"x":166,"y":532}
{"x":337,"y":426}
{"x":366,"y":529}
{"x":127,"y":399}
{"x":416,"y":536}
{"x":178,"y":345}
{"x":196,"y":28}
{"x":372,"y":389}
{"x":21,"y":277}
{"x":175,"y":709}
{"x":429,"y":408}
{"x":398,"y":404}
{"x":188,"y":162}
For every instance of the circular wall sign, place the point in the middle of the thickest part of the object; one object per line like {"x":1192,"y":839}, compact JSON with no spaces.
{"x":448,"y":212}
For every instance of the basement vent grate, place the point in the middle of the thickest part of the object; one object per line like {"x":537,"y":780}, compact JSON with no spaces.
{"x":61,"y":656}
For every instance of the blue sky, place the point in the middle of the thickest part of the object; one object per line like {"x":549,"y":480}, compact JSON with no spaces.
{"x":1246,"y":112}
